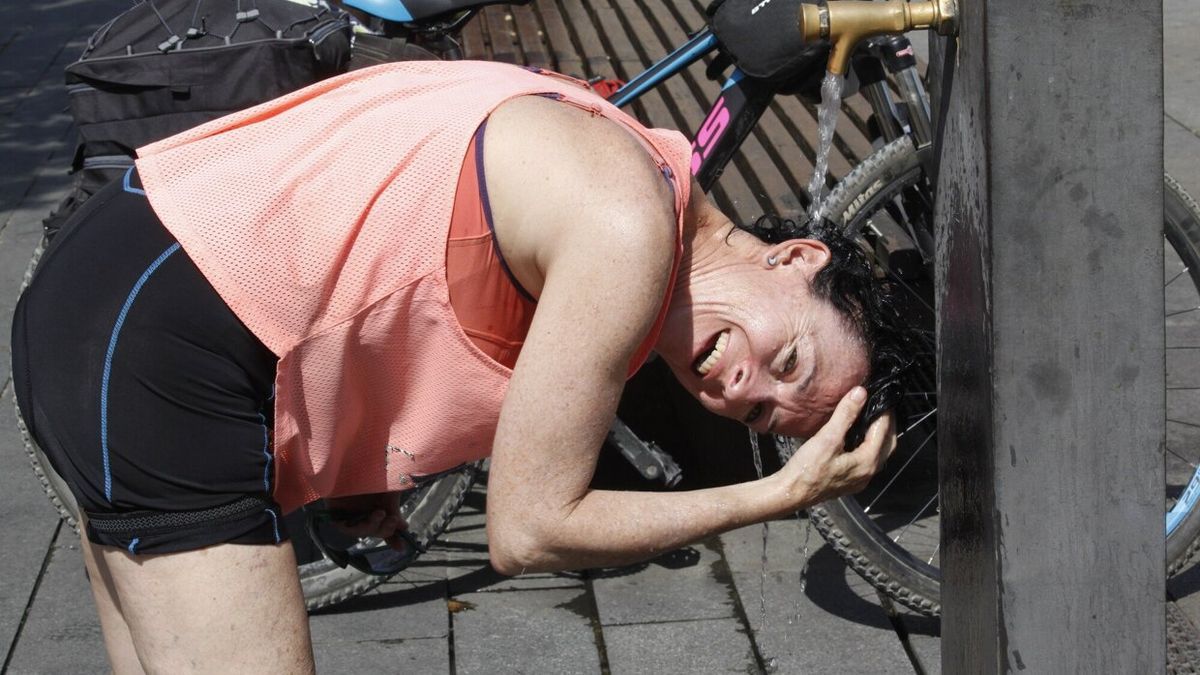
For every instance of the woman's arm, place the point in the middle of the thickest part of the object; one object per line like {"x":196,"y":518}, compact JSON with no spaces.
{"x":541,"y":513}
{"x":592,"y":233}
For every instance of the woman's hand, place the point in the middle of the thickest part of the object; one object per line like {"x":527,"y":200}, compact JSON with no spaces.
{"x":822,"y":470}
{"x":370,"y":515}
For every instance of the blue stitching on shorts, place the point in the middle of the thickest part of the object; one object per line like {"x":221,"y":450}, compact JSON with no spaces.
{"x":112,"y":347}
{"x":133,"y":544}
{"x":275,"y":521}
{"x":129,"y":188}
{"x":266,"y":447}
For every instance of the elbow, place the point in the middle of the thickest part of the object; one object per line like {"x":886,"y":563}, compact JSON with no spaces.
{"x":514,"y":551}
{"x":505,"y":562}
{"x":511,"y":555}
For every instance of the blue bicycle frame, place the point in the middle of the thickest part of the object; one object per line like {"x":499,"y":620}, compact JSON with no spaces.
{"x":730,"y":118}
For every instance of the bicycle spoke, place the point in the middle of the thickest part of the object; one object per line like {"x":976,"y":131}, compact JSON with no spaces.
{"x":1183,"y":459}
{"x":935,"y":552}
{"x":914,"y":293}
{"x":1175,"y":277}
{"x":917,"y":517}
{"x":900,"y":471}
{"x":1186,"y":424}
{"x":1182,"y":311}
{"x":914,"y":424}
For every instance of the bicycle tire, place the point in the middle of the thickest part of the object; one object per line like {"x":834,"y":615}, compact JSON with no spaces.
{"x":428,"y":509}
{"x":844,"y":523}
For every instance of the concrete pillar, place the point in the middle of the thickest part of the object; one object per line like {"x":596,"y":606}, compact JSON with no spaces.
{"x":1050,"y":322}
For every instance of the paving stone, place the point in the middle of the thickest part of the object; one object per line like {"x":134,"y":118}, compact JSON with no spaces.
{"x":418,"y":655}
{"x":1181,"y":62}
{"x":835,"y":626}
{"x":38,"y":127}
{"x":22,"y":559}
{"x":19,"y":236}
{"x":62,"y":631}
{"x":680,"y":586}
{"x":30,"y":523}
{"x":396,"y":610}
{"x":546,"y":631}
{"x":1185,"y":589}
{"x":927,"y":647}
{"x":703,"y":646}
{"x":34,"y":34}
{"x":39,"y":150}
{"x":1181,"y":152}
{"x":10,"y":99}
{"x":400,"y":626}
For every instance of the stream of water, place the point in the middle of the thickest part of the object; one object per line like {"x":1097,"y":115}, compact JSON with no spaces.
{"x":768,"y":662}
{"x":785,"y":447}
{"x":827,"y":116}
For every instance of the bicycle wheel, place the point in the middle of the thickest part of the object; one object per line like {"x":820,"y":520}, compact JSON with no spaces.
{"x":428,"y":510}
{"x":889,"y":533}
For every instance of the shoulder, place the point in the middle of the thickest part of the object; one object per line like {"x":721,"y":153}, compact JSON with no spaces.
{"x":564,"y":183}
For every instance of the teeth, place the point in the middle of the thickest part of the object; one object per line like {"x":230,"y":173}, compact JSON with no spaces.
{"x":706,"y":366}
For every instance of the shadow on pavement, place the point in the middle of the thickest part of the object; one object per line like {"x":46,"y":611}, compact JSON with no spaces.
{"x":829,"y":589}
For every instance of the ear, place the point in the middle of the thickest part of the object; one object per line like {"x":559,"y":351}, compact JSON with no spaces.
{"x":807,"y":256}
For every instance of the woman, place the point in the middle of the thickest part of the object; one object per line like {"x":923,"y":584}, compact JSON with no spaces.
{"x":312,"y":259}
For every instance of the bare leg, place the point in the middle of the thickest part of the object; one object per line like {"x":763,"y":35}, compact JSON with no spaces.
{"x":117,"y":641}
{"x":226,"y":608}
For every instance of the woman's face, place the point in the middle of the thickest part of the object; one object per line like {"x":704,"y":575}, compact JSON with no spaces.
{"x":754,"y":344}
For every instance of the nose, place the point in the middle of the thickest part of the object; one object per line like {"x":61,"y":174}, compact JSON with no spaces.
{"x":736,"y":383}
{"x":744,"y":384}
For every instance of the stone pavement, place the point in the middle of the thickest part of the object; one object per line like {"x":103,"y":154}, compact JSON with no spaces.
{"x":698,"y":610}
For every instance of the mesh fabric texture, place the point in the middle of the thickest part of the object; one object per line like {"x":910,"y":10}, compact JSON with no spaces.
{"x":321,"y":218}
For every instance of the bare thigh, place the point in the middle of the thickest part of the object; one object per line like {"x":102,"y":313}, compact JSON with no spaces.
{"x":122,"y":657}
{"x":222,"y":609}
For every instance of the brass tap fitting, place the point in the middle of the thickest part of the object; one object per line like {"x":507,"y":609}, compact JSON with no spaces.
{"x":845,"y":22}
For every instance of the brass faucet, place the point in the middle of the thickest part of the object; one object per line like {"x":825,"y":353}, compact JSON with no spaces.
{"x":845,"y":22}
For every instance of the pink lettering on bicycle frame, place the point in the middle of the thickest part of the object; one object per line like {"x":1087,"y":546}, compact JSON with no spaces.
{"x":710,"y":132}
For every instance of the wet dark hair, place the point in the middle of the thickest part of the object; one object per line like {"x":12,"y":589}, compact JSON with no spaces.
{"x":866,"y":303}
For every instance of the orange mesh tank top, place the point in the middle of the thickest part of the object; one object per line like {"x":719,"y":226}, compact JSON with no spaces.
{"x":321,"y":218}
{"x":492,"y":308}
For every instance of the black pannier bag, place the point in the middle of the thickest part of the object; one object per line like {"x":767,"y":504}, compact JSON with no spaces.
{"x":164,"y":66}
{"x":762,"y":37}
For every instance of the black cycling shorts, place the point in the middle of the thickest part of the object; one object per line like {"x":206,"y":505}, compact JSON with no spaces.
{"x":147,"y":394}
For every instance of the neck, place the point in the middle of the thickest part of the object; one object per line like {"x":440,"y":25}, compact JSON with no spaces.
{"x":712,"y":248}
{"x":711,"y":243}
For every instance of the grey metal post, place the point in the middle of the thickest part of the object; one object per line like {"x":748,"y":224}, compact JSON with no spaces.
{"x":1051,"y":419}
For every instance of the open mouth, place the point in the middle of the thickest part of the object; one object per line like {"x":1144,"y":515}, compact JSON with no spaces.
{"x":709,"y":358}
